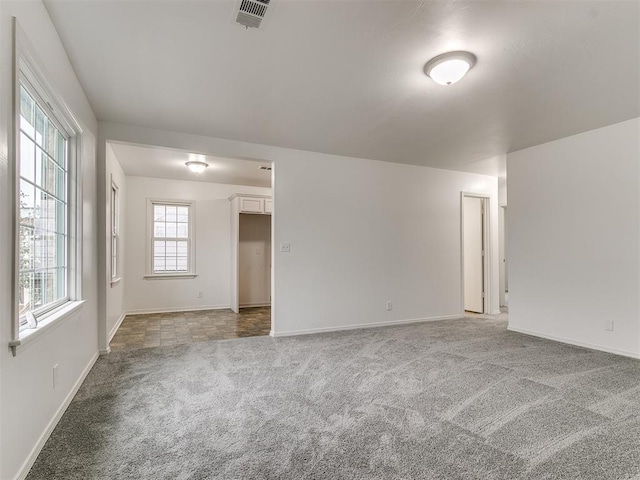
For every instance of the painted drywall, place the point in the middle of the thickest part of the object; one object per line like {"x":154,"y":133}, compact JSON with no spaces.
{"x":362,"y":232}
{"x":254,"y":256}
{"x":28,"y":403}
{"x":574,"y":238}
{"x":114,"y":291}
{"x":212,"y":245}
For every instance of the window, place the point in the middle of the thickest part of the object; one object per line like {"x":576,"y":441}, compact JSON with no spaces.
{"x":43,"y":177}
{"x":171,"y":226}
{"x":115,"y":232}
{"x":46,"y":146}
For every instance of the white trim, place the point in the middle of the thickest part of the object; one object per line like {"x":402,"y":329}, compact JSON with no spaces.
{"x":116,"y":327}
{"x":23,"y":471}
{"x":175,"y":310}
{"x":106,"y":351}
{"x":291,"y":333}
{"x":258,"y":304}
{"x":576,"y":343}
{"x":116,"y":281}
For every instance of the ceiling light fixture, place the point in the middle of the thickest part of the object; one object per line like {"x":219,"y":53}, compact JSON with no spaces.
{"x":448,"y":68}
{"x":196,"y":166}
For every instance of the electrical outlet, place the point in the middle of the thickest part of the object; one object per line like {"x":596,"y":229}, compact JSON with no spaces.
{"x":608,"y":325}
{"x":389,"y":306}
{"x":55,"y":376}
{"x":200,"y":294}
{"x":285,"y":247}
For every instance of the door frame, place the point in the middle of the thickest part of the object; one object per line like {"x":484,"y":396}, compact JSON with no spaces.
{"x":487,"y":243}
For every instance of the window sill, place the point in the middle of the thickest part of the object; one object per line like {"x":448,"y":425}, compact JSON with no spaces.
{"x":46,"y":323}
{"x":169,"y":276}
{"x":115,"y":281}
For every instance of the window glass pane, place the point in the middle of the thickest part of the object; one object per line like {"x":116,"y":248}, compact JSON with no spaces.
{"x":27,"y":203}
{"x":26,"y":249}
{"x":50,"y":139}
{"x":158,"y":249}
{"x":171,"y":264}
{"x":171,"y":231}
{"x":158,"y":264}
{"x":27,"y":113}
{"x":183,"y":230}
{"x":182,"y":264}
{"x":25,"y":292}
{"x":41,"y":168}
{"x":183,"y":214}
{"x":159,"y":229}
{"x":182,"y":249}
{"x":158,"y":212}
{"x":171,"y":249}
{"x":60,"y":155}
{"x":172,"y":214}
{"x":41,"y":127}
{"x":27,"y":158}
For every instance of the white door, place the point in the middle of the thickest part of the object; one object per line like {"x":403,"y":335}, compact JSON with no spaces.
{"x":473,"y":254}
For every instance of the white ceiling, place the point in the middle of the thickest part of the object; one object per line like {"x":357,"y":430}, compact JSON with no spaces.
{"x":345,"y":77}
{"x":150,"y":161}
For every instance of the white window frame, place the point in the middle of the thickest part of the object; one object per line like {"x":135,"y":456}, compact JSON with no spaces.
{"x":114,"y":206}
{"x":27,"y":72}
{"x":191,"y":243}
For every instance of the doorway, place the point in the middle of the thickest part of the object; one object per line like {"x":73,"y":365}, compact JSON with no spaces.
{"x":474,"y":210}
{"x":254,"y":260}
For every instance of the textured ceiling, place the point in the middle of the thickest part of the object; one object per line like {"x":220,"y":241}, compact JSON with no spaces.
{"x":345,"y":77}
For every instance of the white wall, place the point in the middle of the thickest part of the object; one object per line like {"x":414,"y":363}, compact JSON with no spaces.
{"x":574,"y":239}
{"x":254,"y":255}
{"x":212,"y":247}
{"x":114,"y":292}
{"x":28,"y":402}
{"x":362,"y":232}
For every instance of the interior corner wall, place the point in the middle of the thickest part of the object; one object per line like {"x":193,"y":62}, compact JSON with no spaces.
{"x":574,"y":239}
{"x":212,"y":245}
{"x":114,"y":292}
{"x":29,"y":405}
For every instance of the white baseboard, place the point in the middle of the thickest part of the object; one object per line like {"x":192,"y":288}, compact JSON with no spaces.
{"x":249,"y":305}
{"x":116,"y":327}
{"x":291,"y":333}
{"x":576,"y":343}
{"x":26,"y":466}
{"x":175,"y":310}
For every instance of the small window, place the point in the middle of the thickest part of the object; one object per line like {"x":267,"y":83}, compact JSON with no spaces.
{"x":171,"y":226}
{"x":115,"y":232}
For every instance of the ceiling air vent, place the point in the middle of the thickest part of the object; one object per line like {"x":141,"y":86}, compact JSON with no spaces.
{"x":262,"y":167}
{"x":252,"y":12}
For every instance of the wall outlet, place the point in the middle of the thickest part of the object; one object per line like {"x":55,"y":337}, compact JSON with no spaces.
{"x":389,"y":306}
{"x":55,"y":376}
{"x":200,"y":294}
{"x":285,"y":247}
{"x":608,"y":325}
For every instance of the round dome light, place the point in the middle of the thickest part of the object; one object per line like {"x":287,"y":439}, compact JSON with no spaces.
{"x":197,"y":167}
{"x":450,"y":67}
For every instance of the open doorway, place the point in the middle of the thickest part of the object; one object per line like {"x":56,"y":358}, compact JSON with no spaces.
{"x":168,"y":258}
{"x":475,"y":275}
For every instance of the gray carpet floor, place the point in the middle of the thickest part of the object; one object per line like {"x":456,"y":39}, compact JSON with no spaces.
{"x":459,"y":399}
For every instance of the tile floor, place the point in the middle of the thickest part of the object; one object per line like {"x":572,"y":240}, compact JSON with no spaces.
{"x":161,"y":329}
